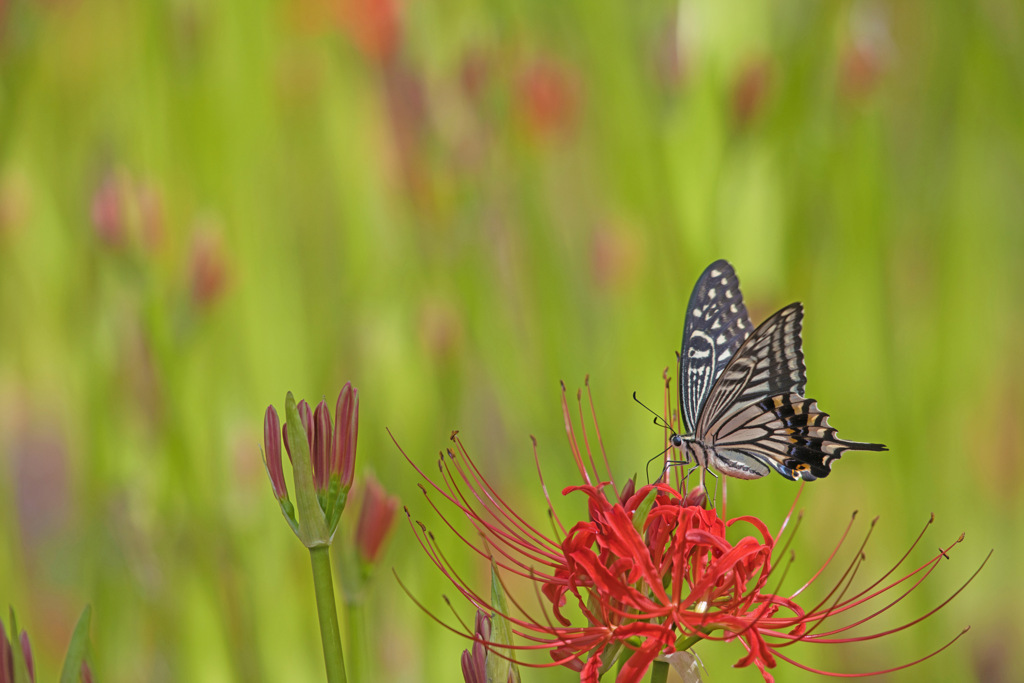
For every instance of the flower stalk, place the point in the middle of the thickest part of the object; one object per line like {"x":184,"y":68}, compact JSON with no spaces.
{"x":358,"y":561}
{"x":659,"y":672}
{"x":327,"y":613}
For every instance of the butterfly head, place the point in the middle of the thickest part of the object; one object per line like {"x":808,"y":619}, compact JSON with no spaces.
{"x":692,"y":450}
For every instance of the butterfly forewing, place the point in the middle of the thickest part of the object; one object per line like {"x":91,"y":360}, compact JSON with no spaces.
{"x":769,"y":362}
{"x":786,"y":432}
{"x":716,"y":324}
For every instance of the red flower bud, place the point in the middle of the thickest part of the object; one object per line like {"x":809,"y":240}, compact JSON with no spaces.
{"x":331,"y":464}
{"x":346,"y":433}
{"x":375,"y":517}
{"x":272,"y":452}
{"x":321,"y":445}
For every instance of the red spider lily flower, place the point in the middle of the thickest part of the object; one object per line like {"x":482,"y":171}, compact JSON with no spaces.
{"x":650,"y":572}
{"x":323,"y":462}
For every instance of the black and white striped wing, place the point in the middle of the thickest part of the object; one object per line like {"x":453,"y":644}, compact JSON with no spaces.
{"x":716,"y":324}
{"x":768,"y":363}
{"x":786,"y":432}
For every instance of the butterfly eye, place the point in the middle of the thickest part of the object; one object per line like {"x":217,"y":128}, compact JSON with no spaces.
{"x":691,"y":352}
{"x":676,"y":441}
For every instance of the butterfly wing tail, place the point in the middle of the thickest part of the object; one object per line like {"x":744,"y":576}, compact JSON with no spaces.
{"x":813,"y":444}
{"x":792,"y":435}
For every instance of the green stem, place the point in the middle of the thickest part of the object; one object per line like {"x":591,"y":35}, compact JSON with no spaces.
{"x":327,"y":611}
{"x":659,"y":672}
{"x":356,"y":642}
{"x":688,"y":643}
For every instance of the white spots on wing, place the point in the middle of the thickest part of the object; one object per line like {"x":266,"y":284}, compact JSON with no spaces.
{"x":732,"y":308}
{"x":717,"y":325}
{"x":740,"y":324}
{"x":724,"y":355}
{"x":725,"y":282}
{"x":697,"y":313}
{"x":694,"y":353}
{"x":721,"y":339}
{"x":728,"y":292}
{"x":711,"y":293}
{"x":715,"y":273}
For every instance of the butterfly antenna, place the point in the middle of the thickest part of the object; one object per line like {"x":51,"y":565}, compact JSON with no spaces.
{"x":658,"y":419}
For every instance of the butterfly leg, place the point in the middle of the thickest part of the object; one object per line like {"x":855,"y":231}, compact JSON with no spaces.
{"x":714,"y":498}
{"x":704,"y":471}
{"x":675,"y":442}
{"x":647,"y":469}
{"x":669,"y":464}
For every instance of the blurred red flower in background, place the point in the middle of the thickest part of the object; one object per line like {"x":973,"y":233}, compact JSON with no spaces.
{"x":373,"y":26}
{"x":208,"y":265}
{"x":548,"y":95}
{"x":376,"y":513}
{"x":750,"y":91}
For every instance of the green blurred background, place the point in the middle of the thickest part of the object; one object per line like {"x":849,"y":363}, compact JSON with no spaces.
{"x":455,"y":205}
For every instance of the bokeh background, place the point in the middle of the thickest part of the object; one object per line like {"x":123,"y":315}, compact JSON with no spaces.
{"x":455,"y":205}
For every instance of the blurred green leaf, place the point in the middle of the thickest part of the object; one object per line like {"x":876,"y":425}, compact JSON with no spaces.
{"x":500,"y":669}
{"x":78,"y":649}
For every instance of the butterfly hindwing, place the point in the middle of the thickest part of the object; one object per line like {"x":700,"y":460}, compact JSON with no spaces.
{"x":716,"y":324}
{"x":769,"y":362}
{"x":787,"y":432}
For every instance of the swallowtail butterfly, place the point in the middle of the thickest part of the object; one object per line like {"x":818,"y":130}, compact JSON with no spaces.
{"x":741,"y":390}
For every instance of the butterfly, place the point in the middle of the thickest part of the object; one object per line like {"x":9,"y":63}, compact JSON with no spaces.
{"x":741,"y":390}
